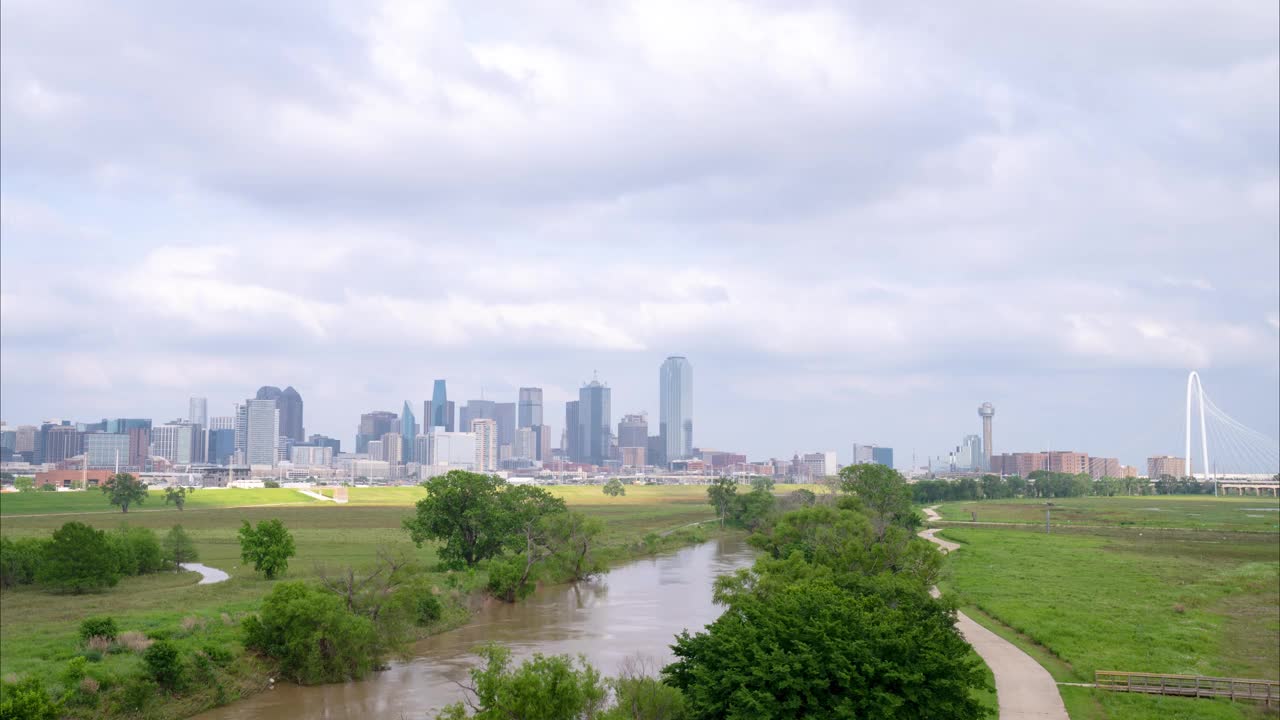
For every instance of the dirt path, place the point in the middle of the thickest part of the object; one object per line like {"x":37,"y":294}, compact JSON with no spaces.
{"x":1024,"y":689}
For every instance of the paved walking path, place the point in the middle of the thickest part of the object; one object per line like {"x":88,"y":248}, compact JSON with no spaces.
{"x":318,"y":496}
{"x":1024,"y":689}
{"x":208,"y":575}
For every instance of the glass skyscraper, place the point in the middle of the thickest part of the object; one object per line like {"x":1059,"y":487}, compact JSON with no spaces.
{"x":594,"y":423}
{"x":408,"y":433}
{"x":440,"y":415}
{"x":675,"y":407}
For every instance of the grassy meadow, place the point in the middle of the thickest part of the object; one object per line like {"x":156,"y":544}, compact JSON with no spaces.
{"x":38,"y":629}
{"x":1189,"y":512}
{"x":1109,"y":592}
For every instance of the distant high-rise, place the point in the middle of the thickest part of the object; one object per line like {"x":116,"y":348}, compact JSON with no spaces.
{"x":408,"y":431}
{"x":572,"y":436}
{"x":633,"y":432}
{"x":864,"y":454}
{"x":326,"y":441}
{"x":477,"y":410}
{"x":971,"y":456}
{"x":594,"y":423}
{"x":198,"y":411}
{"x":393,"y":447}
{"x":290,"y":404}
{"x":505,"y":415}
{"x":262,"y":432}
{"x":675,"y":407}
{"x":221,"y":446}
{"x":486,"y":434}
{"x":268,"y":392}
{"x":106,"y":450}
{"x":440,"y":414}
{"x":986,"y":411}
{"x":373,"y":425}
{"x":62,"y":442}
{"x":530,"y":407}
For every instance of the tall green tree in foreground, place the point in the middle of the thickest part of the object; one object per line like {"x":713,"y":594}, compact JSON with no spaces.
{"x":815,"y":650}
{"x":720,"y":494}
{"x":884,"y":494}
{"x":464,"y":511}
{"x":77,"y":559}
{"x":123,"y":490}
{"x":268,"y":546}
{"x":524,"y":510}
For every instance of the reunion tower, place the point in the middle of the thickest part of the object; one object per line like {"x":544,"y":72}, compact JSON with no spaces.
{"x":986,"y":411}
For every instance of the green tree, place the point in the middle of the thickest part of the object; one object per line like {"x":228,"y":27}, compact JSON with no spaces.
{"x":268,"y":546}
{"x":760,"y":482}
{"x":77,"y":559}
{"x":463,"y":510}
{"x":524,"y":509}
{"x":137,"y":550}
{"x":615,"y":488}
{"x":24,"y":483}
{"x":572,"y":537}
{"x":752,"y":509}
{"x":720,"y":495}
{"x":179,"y":548}
{"x":815,"y":650}
{"x":177,"y":496}
{"x":123,"y":490}
{"x":313,"y":636}
{"x":883,"y":492}
{"x":19,"y":560}
{"x":28,"y":699}
{"x":541,"y":688}
{"x":164,"y":665}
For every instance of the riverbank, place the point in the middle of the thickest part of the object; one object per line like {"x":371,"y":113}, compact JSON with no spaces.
{"x":38,"y":631}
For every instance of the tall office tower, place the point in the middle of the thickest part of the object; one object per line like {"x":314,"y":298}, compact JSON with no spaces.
{"x":633,"y":432}
{"x":572,"y":445}
{"x":971,"y":456}
{"x":986,"y":411}
{"x":486,"y":432}
{"x":393,"y":447}
{"x":450,"y":414}
{"x":180,"y":442}
{"x":542,"y":442}
{"x":477,"y":410}
{"x":290,"y":404}
{"x":325,"y":441}
{"x":106,"y":450}
{"x":242,"y":433}
{"x":373,"y":425}
{"x":374,"y":448}
{"x":525,"y":443}
{"x":221,"y":446}
{"x":198,"y":411}
{"x":440,"y":407}
{"x":262,"y":432}
{"x":222,"y":422}
{"x":408,"y":431}
{"x":656,"y":451}
{"x":530,"y":407}
{"x":62,"y":442}
{"x":25,"y":438}
{"x":675,"y":407}
{"x":505,"y":415}
{"x":268,"y":392}
{"x":593,"y":423}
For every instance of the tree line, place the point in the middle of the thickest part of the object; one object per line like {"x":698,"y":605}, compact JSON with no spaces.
{"x":1045,"y":484}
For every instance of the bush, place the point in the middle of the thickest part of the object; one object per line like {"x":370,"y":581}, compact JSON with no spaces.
{"x":164,"y":665}
{"x":136,"y":550}
{"x":77,"y":559}
{"x":103,"y":627}
{"x":27,"y":699}
{"x":19,"y":560}
{"x":218,"y":654}
{"x":427,"y":608}
{"x":136,"y":695}
{"x":74,"y":672}
{"x":312,"y":635}
{"x":270,"y":484}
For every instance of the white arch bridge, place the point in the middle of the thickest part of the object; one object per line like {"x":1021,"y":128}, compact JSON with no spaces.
{"x":1228,"y":449}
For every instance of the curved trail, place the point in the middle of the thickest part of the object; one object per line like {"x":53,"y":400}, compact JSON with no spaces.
{"x":1024,"y":689}
{"x":208,"y":575}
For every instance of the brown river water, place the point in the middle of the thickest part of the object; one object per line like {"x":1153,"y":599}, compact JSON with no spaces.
{"x":634,"y":610}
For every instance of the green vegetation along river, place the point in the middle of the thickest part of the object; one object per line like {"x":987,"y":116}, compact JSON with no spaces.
{"x":634,"y":610}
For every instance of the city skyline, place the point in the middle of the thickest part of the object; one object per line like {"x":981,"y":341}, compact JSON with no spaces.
{"x":856,"y":229}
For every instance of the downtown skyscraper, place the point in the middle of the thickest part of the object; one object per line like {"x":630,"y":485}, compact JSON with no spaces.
{"x":441,"y":408}
{"x":675,"y":407}
{"x":594,"y":423}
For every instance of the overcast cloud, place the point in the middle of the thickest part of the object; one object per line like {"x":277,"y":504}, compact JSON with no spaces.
{"x":858,"y":220}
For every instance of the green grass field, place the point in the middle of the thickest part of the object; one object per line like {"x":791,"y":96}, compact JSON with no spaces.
{"x":43,"y":503}
{"x":1199,"y":602}
{"x":1192,"y":512}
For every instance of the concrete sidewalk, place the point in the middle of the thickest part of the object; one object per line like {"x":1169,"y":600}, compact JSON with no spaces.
{"x":1024,"y":689}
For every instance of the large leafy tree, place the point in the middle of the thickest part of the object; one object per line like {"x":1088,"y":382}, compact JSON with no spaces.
{"x":313,"y":636}
{"x":268,"y":546}
{"x":77,"y":559}
{"x":123,"y":490}
{"x":884,"y":494}
{"x":179,"y":548}
{"x":524,"y":510}
{"x":573,"y":537}
{"x":615,"y":488}
{"x":464,"y":511}
{"x":815,"y":650}
{"x":720,"y":494}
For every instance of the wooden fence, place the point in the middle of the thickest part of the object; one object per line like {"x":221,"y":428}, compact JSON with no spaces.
{"x":1267,"y":691}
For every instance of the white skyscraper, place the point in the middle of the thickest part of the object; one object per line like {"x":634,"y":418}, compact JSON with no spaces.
{"x":675,"y":407}
{"x":262,"y":432}
{"x":486,"y":433}
{"x":198,"y":411}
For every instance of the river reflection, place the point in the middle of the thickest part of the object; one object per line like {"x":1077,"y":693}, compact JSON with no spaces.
{"x":637,"y":608}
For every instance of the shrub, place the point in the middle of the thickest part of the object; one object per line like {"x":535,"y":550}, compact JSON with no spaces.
{"x":428,"y":609}
{"x":164,"y":665}
{"x":93,"y":654}
{"x":218,"y":654}
{"x":89,"y":686}
{"x":19,"y":560}
{"x":74,"y":672}
{"x":137,"y":551}
{"x":312,"y":635}
{"x":77,"y":559}
{"x":134,"y":641}
{"x":28,"y":699}
{"x":98,"y":627}
{"x":137,"y":694}
{"x":270,"y":484}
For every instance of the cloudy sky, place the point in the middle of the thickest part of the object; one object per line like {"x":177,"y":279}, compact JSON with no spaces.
{"x":858,"y":220}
